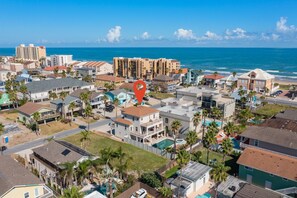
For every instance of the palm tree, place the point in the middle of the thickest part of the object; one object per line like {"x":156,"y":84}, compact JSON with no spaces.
{"x":72,"y":192}
{"x":36,"y":118}
{"x":83,"y":170}
{"x":116,"y":103}
{"x":105,"y":99}
{"x":216,"y":113}
{"x":175,"y":126}
{"x":191,"y":139}
{"x":12,"y":94}
{"x":56,"y":71}
{"x":85,"y":136}
{"x":229,"y":128}
{"x":71,"y":107}
{"x":227,"y":147}
{"x":219,"y":174}
{"x":63,"y":74}
{"x":196,"y":120}
{"x":1,"y":128}
{"x":183,"y":158}
{"x":62,"y":97}
{"x":53,"y":95}
{"x":166,"y":192}
{"x":67,"y":170}
{"x":209,"y":140}
{"x":204,"y":115}
{"x":234,"y":74}
{"x":23,"y":90}
{"x":84,"y":97}
{"x":88,"y":113}
{"x":244,"y":115}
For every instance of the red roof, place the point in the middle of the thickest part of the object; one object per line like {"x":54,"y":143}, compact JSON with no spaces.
{"x":213,"y":77}
{"x":53,"y":68}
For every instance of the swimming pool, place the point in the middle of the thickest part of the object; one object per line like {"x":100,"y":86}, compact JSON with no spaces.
{"x":205,"y":195}
{"x":163,"y":144}
{"x":236,"y":144}
{"x":207,"y":123}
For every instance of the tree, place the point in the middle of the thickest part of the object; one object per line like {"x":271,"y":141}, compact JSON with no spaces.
{"x":243,"y":116}
{"x":85,"y":136}
{"x":83,"y":170}
{"x":84,"y":97}
{"x":204,"y":115}
{"x":87,"y":78}
{"x":216,"y":113}
{"x":196,"y":156}
{"x":196,"y":119}
{"x":69,"y":70}
{"x":71,"y":107}
{"x":72,"y":192}
{"x":12,"y":94}
{"x":63,"y":74}
{"x":56,"y":71}
{"x":62,"y":97}
{"x":151,"y":179}
{"x":88,"y":113}
{"x":124,"y":161}
{"x":1,"y":129}
{"x":175,"y":126}
{"x":166,"y":192}
{"x":183,"y":158}
{"x":67,"y":170}
{"x":234,"y":74}
{"x":53,"y":95}
{"x":209,"y":140}
{"x":227,"y":147}
{"x":116,"y":103}
{"x":219,"y":174}
{"x":191,"y":139}
{"x":105,"y":99}
{"x":229,"y":128}
{"x":36,"y":117}
{"x":23,"y":90}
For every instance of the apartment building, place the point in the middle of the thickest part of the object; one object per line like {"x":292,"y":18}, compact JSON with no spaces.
{"x":60,"y":60}
{"x":256,"y":80}
{"x":139,"y":123}
{"x":207,"y":98}
{"x":30,"y":52}
{"x":39,"y":90}
{"x":99,"y":67}
{"x":143,"y":68}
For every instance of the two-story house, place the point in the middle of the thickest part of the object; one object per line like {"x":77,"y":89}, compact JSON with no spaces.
{"x":256,"y":80}
{"x":139,"y":123}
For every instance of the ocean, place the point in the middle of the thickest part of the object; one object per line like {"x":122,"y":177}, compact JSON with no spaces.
{"x":281,"y":62}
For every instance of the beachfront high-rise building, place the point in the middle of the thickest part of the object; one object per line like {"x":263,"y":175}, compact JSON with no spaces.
{"x":146,"y":68}
{"x":256,"y":80}
{"x":60,"y":60}
{"x":30,"y":52}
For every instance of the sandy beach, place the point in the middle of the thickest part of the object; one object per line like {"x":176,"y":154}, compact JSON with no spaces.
{"x":285,"y":82}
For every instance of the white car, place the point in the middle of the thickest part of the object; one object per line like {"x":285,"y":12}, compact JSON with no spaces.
{"x":141,"y":193}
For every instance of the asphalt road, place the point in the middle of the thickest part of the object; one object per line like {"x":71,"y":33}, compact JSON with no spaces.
{"x":281,"y":101}
{"x":59,"y":135}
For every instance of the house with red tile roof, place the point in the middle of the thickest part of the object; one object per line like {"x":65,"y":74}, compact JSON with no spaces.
{"x":212,"y":79}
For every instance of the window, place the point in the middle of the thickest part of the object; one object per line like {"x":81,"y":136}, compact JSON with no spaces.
{"x":248,"y":168}
{"x":26,"y":195}
{"x":166,"y":120}
{"x":154,"y":116}
{"x":256,"y":143}
{"x":36,"y":192}
{"x":136,"y":128}
{"x":125,"y":127}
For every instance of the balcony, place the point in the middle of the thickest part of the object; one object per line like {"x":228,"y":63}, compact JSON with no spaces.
{"x":151,"y":122}
{"x":144,"y":132}
{"x":49,"y":116}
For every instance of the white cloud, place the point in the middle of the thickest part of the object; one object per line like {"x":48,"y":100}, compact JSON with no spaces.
{"x":210,"y":36}
{"x":145,"y":35}
{"x":237,"y":33}
{"x":183,"y":34}
{"x":268,"y":36}
{"x":274,"y":37}
{"x":114,"y":34}
{"x":281,"y":26}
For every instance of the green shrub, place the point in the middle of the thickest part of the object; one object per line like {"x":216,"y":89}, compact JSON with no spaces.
{"x":151,"y":179}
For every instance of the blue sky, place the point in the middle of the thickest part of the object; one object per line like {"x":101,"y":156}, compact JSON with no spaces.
{"x":193,"y":23}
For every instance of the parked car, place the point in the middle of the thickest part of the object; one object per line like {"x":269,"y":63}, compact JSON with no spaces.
{"x":109,"y":108}
{"x":141,"y":193}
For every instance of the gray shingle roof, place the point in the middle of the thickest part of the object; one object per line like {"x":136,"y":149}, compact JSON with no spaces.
{"x":194,"y":171}
{"x":252,"y":191}
{"x":67,"y":100}
{"x":59,"y":152}
{"x":275,"y":136}
{"x":289,"y":114}
{"x":47,"y":85}
{"x":12,"y":174}
{"x":118,"y":91}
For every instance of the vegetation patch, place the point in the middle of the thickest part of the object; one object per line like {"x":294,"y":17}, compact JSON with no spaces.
{"x":159,"y":95}
{"x":270,"y":110}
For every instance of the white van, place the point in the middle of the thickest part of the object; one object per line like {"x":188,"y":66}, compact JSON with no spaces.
{"x":141,"y":193}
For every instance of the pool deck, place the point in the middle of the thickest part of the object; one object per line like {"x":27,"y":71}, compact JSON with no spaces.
{"x":204,"y":189}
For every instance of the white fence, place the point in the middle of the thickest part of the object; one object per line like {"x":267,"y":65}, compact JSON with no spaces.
{"x":151,"y":149}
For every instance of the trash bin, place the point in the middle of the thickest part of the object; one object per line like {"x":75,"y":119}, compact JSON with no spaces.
{"x":5,"y":139}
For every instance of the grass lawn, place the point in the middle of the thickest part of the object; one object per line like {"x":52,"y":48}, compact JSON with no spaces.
{"x":229,"y":160}
{"x":55,"y":127}
{"x":270,"y":110}
{"x":10,"y":115}
{"x":86,"y":120}
{"x":171,"y":172}
{"x":142,"y":160}
{"x":159,"y":95}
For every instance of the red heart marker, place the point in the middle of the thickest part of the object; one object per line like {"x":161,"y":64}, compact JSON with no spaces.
{"x":139,"y":90}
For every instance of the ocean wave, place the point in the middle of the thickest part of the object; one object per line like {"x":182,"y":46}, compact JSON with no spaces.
{"x":221,"y":67}
{"x":294,"y":72}
{"x":245,"y":69}
{"x":272,"y":71}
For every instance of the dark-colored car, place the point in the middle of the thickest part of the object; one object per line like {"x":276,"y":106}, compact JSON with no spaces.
{"x":109,"y":108}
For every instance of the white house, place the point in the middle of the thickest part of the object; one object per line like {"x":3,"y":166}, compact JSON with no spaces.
{"x":3,"y":74}
{"x":139,"y":123}
{"x":191,"y":179}
{"x":60,"y":60}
